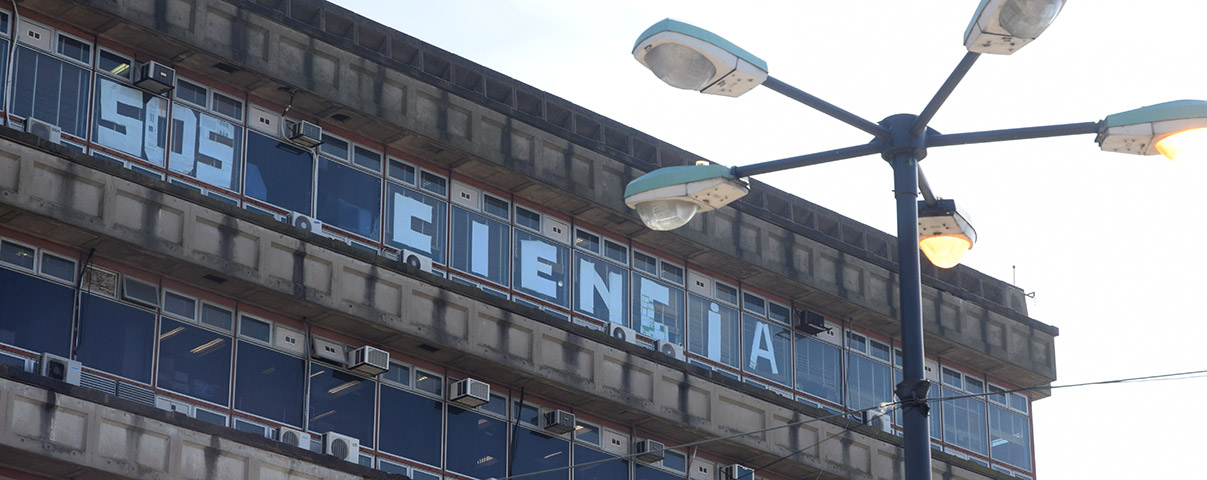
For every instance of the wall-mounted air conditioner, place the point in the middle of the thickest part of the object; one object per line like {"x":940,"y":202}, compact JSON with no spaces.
{"x":469,"y":392}
{"x":305,"y":134}
{"x":61,"y":369}
{"x":557,"y":421}
{"x":306,"y":222}
{"x":44,"y":130}
{"x":416,"y":259}
{"x":616,"y":330}
{"x":649,"y":451}
{"x":737,"y":472}
{"x":810,"y":322}
{"x":369,"y":360}
{"x":328,"y":350}
{"x":154,"y":77}
{"x":876,"y":418}
{"x":341,"y":446}
{"x":294,"y":437}
{"x":670,"y":349}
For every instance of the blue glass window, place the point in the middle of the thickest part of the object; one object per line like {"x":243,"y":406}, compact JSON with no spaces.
{"x":964,"y":422}
{"x":713,"y":330}
{"x":481,"y":246}
{"x":194,"y":361}
{"x":205,"y":147}
{"x":279,"y":173}
{"x":411,"y":425}
{"x":349,"y":199}
{"x":611,"y":470}
{"x":868,"y":382}
{"x":19,"y":255}
{"x":116,"y":338}
{"x":535,"y":452}
{"x":819,"y":369}
{"x":768,"y":349}
{"x":476,"y":444}
{"x":416,"y":222}
{"x":35,"y":314}
{"x":600,"y":289}
{"x":341,"y":402}
{"x":130,"y":121}
{"x":645,"y":472}
{"x":657,"y":310}
{"x":1009,"y":437}
{"x":542,"y":268}
{"x":269,"y":383}
{"x":51,"y":90}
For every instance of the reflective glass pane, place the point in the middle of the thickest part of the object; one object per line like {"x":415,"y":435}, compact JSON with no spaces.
{"x":190,"y":92}
{"x":600,"y":289}
{"x":433,"y":183}
{"x":279,"y":173}
{"x":480,"y":246}
{"x":713,"y":330}
{"x":18,"y":255}
{"x":429,"y":382}
{"x":179,"y":305}
{"x":646,"y":472}
{"x":367,"y":158}
{"x":401,"y":172}
{"x":257,"y":329}
{"x":130,"y":120}
{"x":341,"y":402}
{"x":58,"y":267}
{"x":216,"y":316}
{"x":349,"y":199}
{"x":768,"y":349}
{"x":542,"y":268}
{"x":416,"y":222}
{"x":869,"y":383}
{"x":35,"y":314}
{"x":819,"y":369}
{"x":334,"y":147}
{"x":964,"y":422}
{"x":535,"y":452}
{"x":194,"y":361}
{"x":116,"y":338}
{"x":205,"y":147}
{"x":51,"y":90}
{"x":114,"y":64}
{"x":586,"y":241}
{"x":411,"y":425}
{"x":657,"y":310}
{"x":645,"y":263}
{"x":607,"y":470}
{"x":228,"y":106}
{"x":476,"y":444}
{"x":527,"y":218}
{"x":74,"y":49}
{"x":1009,"y":437}
{"x":270,"y":384}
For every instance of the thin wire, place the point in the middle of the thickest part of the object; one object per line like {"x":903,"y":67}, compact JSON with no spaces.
{"x":1149,"y":378}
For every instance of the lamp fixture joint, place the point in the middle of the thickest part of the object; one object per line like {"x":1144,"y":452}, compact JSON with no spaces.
{"x":901,"y":139}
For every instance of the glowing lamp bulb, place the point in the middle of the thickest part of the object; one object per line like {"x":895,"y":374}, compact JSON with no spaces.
{"x":1185,"y":144}
{"x":945,"y":251}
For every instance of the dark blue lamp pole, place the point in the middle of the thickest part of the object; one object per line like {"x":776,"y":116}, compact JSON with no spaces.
{"x":689,"y":57}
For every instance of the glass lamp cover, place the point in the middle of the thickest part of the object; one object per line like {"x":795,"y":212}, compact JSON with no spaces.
{"x":680,"y":66}
{"x":945,"y":251}
{"x":1028,"y":18}
{"x":1185,"y":144}
{"x":666,"y":214}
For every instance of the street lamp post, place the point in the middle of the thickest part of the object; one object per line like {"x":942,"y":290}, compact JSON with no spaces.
{"x":689,"y":57}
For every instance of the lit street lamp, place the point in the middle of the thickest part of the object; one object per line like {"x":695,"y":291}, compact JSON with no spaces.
{"x":689,"y":57}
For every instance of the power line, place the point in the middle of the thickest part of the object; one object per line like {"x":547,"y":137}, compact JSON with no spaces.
{"x":883,"y":407}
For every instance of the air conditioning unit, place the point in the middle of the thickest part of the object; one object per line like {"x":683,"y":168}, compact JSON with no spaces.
{"x":417,"y":260}
{"x":154,"y":77}
{"x":305,"y":134}
{"x":341,"y":446}
{"x":306,"y":222}
{"x":369,"y":360}
{"x":809,"y":322}
{"x":294,"y":437}
{"x":61,"y":369}
{"x":557,"y":421}
{"x":737,"y":472}
{"x":879,"y":419}
{"x":469,"y":392}
{"x":670,"y":349}
{"x":616,"y":330}
{"x":649,"y":451}
{"x":44,"y":130}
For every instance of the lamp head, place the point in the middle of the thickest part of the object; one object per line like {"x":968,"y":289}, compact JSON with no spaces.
{"x":669,"y":197}
{"x":1175,"y":129}
{"x":944,"y":233}
{"x":692,"y":58}
{"x":1003,"y":26}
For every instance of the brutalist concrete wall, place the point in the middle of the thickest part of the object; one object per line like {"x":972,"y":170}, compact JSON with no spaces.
{"x":62,"y":196}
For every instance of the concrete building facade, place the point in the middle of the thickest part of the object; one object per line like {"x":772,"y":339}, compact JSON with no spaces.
{"x":230,"y":286}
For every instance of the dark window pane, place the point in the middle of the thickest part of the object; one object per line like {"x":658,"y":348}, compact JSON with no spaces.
{"x":646,"y":472}
{"x":400,"y":374}
{"x":527,"y":218}
{"x":349,"y":199}
{"x":279,"y":173}
{"x":211,"y":417}
{"x":780,"y":313}
{"x":140,"y":292}
{"x":727,"y":293}
{"x":341,"y":402}
{"x":526,"y":412}
{"x":34,"y":313}
{"x":269,"y":384}
{"x":495,"y":206}
{"x":401,"y":172}
{"x":58,"y":267}
{"x":433,"y":183}
{"x":179,"y":305}
{"x":191,"y":92}
{"x":75,"y":49}
{"x":18,"y":255}
{"x":215,"y":316}
{"x":429,"y":382}
{"x":819,"y":369}
{"x":613,"y":470}
{"x":257,"y":329}
{"x":645,"y":263}
{"x":228,"y":106}
{"x":367,"y":158}
{"x":535,"y":452}
{"x":334,"y":147}
{"x":586,"y":241}
{"x":194,"y":361}
{"x":114,"y":63}
{"x":116,"y":338}
{"x":672,"y":273}
{"x":754,"y":304}
{"x":410,"y":425}
{"x":616,"y":251}
{"x":476,"y":444}
{"x":51,"y":90}
{"x":869,"y":383}
{"x":416,"y":222}
{"x":480,"y":246}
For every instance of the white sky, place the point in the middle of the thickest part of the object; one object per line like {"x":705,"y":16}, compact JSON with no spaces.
{"x":1106,"y":241}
